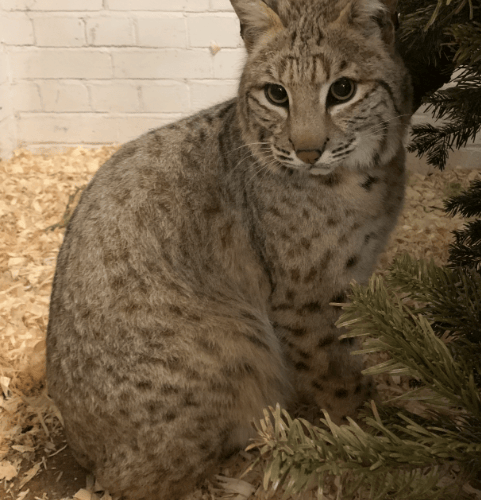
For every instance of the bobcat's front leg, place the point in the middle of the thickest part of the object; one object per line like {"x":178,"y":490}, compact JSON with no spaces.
{"x":324,"y":372}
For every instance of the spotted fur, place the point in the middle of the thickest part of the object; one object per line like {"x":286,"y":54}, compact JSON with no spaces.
{"x":196,"y":279}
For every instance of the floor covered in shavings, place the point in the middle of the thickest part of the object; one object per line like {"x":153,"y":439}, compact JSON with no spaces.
{"x":35,"y":190}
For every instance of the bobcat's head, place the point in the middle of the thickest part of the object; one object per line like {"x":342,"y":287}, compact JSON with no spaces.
{"x":322,"y":86}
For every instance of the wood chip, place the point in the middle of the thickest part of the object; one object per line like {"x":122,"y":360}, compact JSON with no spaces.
{"x":241,"y":488}
{"x":29,"y":475}
{"x":22,"y":495}
{"x":214,"y":48}
{"x":7,"y":470}
{"x":4,"y":383}
{"x":85,"y":495}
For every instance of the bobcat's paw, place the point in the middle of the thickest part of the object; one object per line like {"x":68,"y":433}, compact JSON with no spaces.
{"x":341,"y":398}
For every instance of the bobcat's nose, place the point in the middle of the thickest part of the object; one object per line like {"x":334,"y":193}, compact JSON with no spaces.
{"x":309,"y":156}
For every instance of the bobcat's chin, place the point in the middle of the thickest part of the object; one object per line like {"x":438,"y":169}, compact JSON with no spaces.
{"x":321,"y":169}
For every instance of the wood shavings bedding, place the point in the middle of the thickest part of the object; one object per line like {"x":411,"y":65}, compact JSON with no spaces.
{"x":34,"y":192}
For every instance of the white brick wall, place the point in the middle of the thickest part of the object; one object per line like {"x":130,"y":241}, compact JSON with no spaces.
{"x":7,"y":122}
{"x":53,"y":30}
{"x":97,"y":71}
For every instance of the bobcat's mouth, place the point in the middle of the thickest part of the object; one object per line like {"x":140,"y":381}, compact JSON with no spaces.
{"x":316,"y":170}
{"x":287,"y":161}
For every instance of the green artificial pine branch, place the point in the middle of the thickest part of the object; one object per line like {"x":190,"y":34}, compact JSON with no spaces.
{"x":468,"y":203}
{"x":449,"y":298}
{"x":437,"y":142}
{"x":460,"y":104}
{"x":442,"y":14}
{"x":468,"y":38}
{"x":408,"y":336}
{"x":414,"y":16}
{"x":466,"y":249}
{"x":396,"y":454}
{"x":374,"y":461}
{"x":434,"y":142}
{"x":451,"y":38}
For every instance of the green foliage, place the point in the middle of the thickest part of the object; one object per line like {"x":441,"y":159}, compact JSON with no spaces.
{"x":449,"y":299}
{"x":468,"y":203}
{"x":466,"y":249}
{"x":397,"y":454}
{"x":456,"y":6}
{"x":376,"y":461}
{"x":445,"y":33}
{"x":460,"y":107}
{"x":468,"y":38}
{"x":406,"y":328}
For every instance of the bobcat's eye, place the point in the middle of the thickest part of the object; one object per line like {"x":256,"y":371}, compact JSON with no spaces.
{"x":276,"y":94}
{"x":342,"y":90}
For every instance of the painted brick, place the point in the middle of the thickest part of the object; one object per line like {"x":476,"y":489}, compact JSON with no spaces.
{"x":7,"y":123}
{"x":51,"y":147}
{"x":64,"y":97}
{"x":130,"y":127}
{"x":469,"y":157}
{"x":4,"y":113}
{"x":7,"y":137}
{"x":52,"y":5}
{"x":115,"y":97}
{"x":159,"y":5}
{"x":4,"y":99}
{"x":221,"y":5}
{"x":422,"y":115}
{"x":209,"y":92}
{"x":59,"y":31}
{"x":125,"y":125}
{"x":91,"y":128}
{"x":165,"y":97}
{"x":110,"y":31}
{"x":228,"y":63}
{"x":224,"y":29}
{"x":5,"y":102}
{"x":61,"y":63}
{"x":3,"y":66}
{"x":162,"y":64}
{"x":25,"y":96}
{"x":66,"y":127}
{"x":16,"y":29}
{"x":161,"y":31}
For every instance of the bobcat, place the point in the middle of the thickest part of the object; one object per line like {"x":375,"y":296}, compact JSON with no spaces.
{"x":195,"y":281}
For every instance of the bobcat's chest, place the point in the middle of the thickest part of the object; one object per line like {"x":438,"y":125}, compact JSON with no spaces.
{"x":322,"y":233}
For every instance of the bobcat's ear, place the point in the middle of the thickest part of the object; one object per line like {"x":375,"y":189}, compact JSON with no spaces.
{"x":372,"y":16}
{"x":389,"y":21}
{"x":257,"y":20}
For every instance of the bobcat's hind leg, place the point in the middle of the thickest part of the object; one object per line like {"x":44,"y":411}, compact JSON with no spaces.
{"x":151,"y":424}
